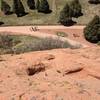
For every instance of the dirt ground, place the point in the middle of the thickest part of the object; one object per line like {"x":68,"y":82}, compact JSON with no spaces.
{"x":60,"y":74}
{"x":74,"y":33}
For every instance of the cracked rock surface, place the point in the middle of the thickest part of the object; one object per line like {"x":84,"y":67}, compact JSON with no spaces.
{"x":60,"y":74}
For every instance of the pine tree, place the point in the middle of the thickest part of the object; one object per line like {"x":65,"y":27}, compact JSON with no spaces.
{"x":76,"y":8}
{"x":94,"y":1}
{"x":5,"y":8}
{"x":92,"y":30}
{"x":31,"y":4}
{"x":18,"y":8}
{"x":1,"y":23}
{"x":43,"y":6}
{"x":65,"y":16}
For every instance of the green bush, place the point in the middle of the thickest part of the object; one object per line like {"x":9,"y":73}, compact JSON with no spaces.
{"x":18,"y":8}
{"x":43,"y":6}
{"x":62,"y":34}
{"x":31,"y":4}
{"x":92,"y":30}
{"x":5,"y":8}
{"x":5,"y":41}
{"x":65,"y":16}
{"x":94,"y":1}
{"x":76,"y":8}
{"x":9,"y":40}
{"x":70,"y":10}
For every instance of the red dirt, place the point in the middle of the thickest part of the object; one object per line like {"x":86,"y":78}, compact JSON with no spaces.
{"x":74,"y":33}
{"x":50,"y":80}
{"x":51,"y":83}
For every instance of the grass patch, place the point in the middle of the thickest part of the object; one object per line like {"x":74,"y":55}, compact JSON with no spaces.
{"x":16,"y":44}
{"x":62,"y":34}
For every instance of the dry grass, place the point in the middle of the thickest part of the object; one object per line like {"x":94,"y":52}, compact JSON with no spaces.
{"x":16,"y":44}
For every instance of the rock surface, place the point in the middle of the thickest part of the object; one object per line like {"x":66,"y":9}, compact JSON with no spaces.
{"x":61,"y":74}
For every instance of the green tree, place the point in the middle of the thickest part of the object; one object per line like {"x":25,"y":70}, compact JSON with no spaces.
{"x":92,"y":30}
{"x":76,"y":8}
{"x":18,"y":8}
{"x":65,"y":16}
{"x":5,"y":8}
{"x":94,"y":1}
{"x":43,"y":6}
{"x":31,"y":4}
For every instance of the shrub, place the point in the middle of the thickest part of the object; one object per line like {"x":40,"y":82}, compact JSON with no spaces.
{"x":92,"y":30}
{"x":31,"y":4}
{"x":72,"y":9}
{"x":5,"y":41}
{"x":43,"y":6}
{"x":18,"y":8}
{"x":65,"y":16}
{"x":1,"y":23}
{"x":94,"y":1}
{"x":62,"y":34}
{"x":5,"y":8}
{"x":76,"y":8}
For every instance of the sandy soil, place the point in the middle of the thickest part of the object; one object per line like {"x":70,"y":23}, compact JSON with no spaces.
{"x":75,"y":33}
{"x":61,"y":74}
{"x":65,"y":75}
